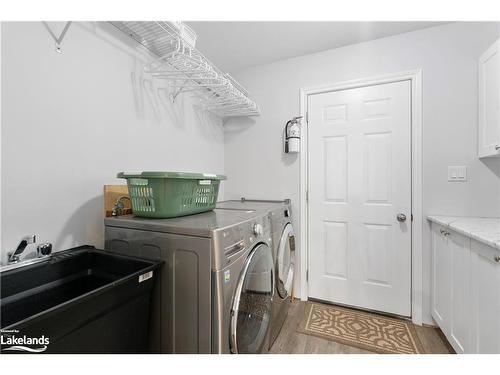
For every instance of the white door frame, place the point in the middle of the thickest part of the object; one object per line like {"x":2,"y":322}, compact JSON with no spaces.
{"x":415,"y":77}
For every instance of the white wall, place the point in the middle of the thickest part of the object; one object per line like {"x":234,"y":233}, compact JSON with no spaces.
{"x":447,"y":54}
{"x":71,"y":121}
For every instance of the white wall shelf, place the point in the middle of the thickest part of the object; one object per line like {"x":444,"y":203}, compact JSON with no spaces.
{"x":187,"y":69}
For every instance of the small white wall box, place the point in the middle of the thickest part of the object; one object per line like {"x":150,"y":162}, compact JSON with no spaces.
{"x":457,"y":173}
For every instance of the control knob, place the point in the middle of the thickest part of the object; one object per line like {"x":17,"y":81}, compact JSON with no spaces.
{"x":257,"y":229}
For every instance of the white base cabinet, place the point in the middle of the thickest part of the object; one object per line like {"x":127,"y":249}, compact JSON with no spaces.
{"x":465,"y":294}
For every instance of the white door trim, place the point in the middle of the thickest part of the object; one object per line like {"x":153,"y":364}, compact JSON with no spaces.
{"x":415,"y":77}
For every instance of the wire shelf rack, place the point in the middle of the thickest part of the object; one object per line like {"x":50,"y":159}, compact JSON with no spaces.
{"x":187,"y":69}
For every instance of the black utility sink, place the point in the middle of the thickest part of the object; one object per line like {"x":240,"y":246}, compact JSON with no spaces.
{"x":82,"y":300}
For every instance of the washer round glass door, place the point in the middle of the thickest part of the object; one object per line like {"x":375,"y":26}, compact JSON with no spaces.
{"x":251,"y":310}
{"x":285,"y":262}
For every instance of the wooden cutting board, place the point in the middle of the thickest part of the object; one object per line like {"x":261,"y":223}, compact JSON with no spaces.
{"x":111,"y":195}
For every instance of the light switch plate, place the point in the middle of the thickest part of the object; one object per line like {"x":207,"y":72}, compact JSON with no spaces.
{"x":457,"y":173}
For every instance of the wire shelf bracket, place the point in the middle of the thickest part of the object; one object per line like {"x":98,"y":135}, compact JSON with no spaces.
{"x":57,"y":39}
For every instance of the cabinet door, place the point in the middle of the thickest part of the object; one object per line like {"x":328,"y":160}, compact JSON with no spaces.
{"x":461,"y":319}
{"x":486,"y":302}
{"x":441,"y":279}
{"x":489,"y":102}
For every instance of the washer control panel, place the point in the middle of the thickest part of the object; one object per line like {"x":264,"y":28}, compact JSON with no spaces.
{"x":231,"y":241}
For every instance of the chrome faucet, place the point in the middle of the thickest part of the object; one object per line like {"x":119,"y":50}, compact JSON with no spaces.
{"x":14,"y":257}
{"x":119,"y":205}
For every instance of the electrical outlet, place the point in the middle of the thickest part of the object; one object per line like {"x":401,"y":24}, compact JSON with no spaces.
{"x":457,"y":173}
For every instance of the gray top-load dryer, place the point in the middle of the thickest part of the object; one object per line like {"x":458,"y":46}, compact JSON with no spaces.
{"x":215,"y":290}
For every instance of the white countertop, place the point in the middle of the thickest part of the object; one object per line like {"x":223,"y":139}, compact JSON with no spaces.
{"x":482,"y":229}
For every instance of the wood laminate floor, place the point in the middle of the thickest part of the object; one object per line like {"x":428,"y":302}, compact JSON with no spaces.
{"x":290,"y":341}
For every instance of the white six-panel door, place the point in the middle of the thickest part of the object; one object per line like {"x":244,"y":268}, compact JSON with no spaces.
{"x":359,"y":180}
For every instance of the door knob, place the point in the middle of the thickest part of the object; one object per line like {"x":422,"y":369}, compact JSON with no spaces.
{"x":497,"y":147}
{"x":401,"y":217}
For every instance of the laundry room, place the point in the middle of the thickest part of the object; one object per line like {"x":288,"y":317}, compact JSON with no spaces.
{"x":180,"y":182}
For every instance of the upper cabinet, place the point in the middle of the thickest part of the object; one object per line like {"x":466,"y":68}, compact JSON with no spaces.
{"x":489,"y":102}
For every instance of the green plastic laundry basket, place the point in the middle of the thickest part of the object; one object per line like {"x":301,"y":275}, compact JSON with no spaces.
{"x":171,"y":194}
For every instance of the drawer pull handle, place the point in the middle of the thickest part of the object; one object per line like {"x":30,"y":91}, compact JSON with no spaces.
{"x":497,"y":147}
{"x":444,"y":233}
{"x":497,"y":258}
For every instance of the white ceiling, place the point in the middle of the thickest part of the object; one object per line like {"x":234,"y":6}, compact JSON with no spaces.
{"x":237,"y":45}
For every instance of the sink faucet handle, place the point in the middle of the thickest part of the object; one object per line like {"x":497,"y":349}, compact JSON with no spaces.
{"x":26,"y":240}
{"x":44,"y":249}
